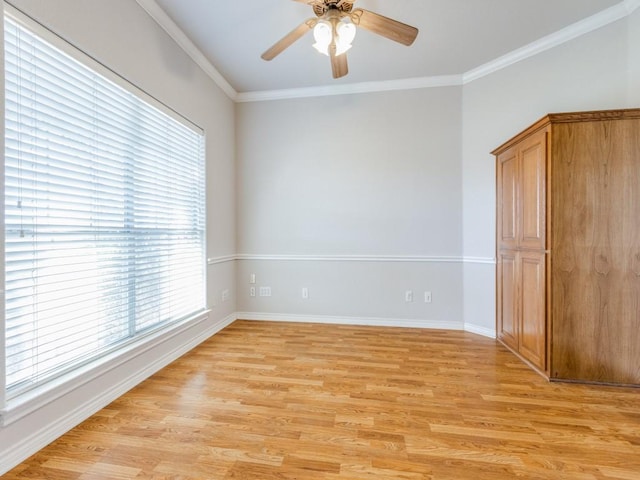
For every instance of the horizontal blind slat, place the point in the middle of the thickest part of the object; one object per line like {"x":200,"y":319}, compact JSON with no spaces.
{"x":104,"y":213}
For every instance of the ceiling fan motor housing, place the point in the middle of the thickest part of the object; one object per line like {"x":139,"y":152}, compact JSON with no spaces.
{"x":320,"y":8}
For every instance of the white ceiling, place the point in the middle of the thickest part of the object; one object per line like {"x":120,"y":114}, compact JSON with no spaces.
{"x":456,"y":37}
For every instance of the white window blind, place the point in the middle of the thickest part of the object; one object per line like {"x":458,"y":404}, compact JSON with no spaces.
{"x":104,"y":212}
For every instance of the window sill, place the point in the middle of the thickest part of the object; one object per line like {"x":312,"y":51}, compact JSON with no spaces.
{"x":28,"y":402}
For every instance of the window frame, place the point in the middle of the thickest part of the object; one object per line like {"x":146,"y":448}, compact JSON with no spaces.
{"x":13,"y":407}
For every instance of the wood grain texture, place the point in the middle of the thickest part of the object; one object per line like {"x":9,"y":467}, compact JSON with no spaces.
{"x":533,"y":331}
{"x":532,"y":192}
{"x":569,"y":117}
{"x":596,"y":247}
{"x":289,"y":39}
{"x":263,"y":400}
{"x":507,"y":298}
{"x":590,"y":223}
{"x":387,"y":27}
{"x":521,"y":282}
{"x":507,"y":214}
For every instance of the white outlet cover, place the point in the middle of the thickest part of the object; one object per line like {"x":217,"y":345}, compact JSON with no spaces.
{"x":265,"y":291}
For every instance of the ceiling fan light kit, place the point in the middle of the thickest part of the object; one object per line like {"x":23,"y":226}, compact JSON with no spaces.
{"x":335,"y":28}
{"x":340,"y":31}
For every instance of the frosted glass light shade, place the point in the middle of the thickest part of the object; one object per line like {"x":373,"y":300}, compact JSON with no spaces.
{"x":323,"y":34}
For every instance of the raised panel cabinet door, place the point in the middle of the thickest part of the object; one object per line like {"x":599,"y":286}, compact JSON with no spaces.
{"x":507,"y":298}
{"x":507,"y":201}
{"x":532,"y":339}
{"x":532,"y":202}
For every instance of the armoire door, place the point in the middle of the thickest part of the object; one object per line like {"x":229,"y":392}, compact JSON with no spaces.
{"x":532,"y":201}
{"x":507,"y":298}
{"x":532,"y":338}
{"x":507,"y":201}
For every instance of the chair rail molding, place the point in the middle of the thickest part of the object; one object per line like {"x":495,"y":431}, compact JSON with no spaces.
{"x":351,"y":258}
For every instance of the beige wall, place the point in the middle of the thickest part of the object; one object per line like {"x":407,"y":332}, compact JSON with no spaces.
{"x":373,"y":175}
{"x":634,"y":58}
{"x":357,"y":174}
{"x":588,"y":73}
{"x":300,"y":194}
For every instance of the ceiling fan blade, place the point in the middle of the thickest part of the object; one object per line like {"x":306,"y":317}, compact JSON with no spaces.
{"x":339,"y":65}
{"x":289,"y":39}
{"x":387,"y":27}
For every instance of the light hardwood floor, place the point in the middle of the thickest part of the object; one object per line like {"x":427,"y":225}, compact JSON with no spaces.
{"x":265,"y":401}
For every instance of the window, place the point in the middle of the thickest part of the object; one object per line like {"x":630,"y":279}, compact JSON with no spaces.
{"x":104,"y":211}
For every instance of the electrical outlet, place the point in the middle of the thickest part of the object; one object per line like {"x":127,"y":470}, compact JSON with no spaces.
{"x":252,"y":292}
{"x":408,"y":296}
{"x":305,"y":293}
{"x":427,"y":297}
{"x":225,"y":295}
{"x":265,"y":291}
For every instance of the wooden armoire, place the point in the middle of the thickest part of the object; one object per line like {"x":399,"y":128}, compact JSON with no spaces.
{"x":568,"y":246}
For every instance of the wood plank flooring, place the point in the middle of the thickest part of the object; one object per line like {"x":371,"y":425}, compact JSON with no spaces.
{"x":268,"y":401}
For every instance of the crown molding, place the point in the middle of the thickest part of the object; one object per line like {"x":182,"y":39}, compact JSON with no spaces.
{"x":169,"y":26}
{"x":594,"y":22}
{"x":631,"y":5}
{"x":575,"y":30}
{"x":352,"y":88}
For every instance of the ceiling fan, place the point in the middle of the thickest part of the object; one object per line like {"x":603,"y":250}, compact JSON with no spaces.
{"x":334,"y":29}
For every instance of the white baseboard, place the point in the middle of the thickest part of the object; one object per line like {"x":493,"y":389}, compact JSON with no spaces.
{"x":364,"y":321}
{"x":484,"y":331}
{"x":24,"y":448}
{"x":368,"y":321}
